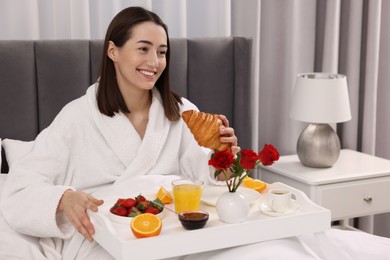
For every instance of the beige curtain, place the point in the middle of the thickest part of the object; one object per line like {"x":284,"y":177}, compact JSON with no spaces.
{"x":350,"y":37}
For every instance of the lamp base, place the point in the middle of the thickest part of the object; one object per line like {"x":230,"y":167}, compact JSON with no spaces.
{"x":318,"y":146}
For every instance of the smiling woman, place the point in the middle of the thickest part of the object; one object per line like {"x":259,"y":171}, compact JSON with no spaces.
{"x":141,"y":61}
{"x":138,"y":65}
{"x":135,"y":55}
{"x":128,"y":124}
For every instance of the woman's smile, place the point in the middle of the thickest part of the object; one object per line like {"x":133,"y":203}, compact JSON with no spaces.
{"x":148,"y":73}
{"x":142,"y":59}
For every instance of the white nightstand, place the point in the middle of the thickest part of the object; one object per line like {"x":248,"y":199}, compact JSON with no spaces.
{"x":357,"y":185}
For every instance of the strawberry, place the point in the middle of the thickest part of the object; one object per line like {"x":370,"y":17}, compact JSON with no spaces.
{"x":140,"y":198}
{"x":119,"y":202}
{"x":129,"y":203}
{"x":120,"y":211}
{"x":152,"y":210}
{"x":143,"y":205}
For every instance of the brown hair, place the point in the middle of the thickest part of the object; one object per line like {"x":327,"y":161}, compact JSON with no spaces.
{"x":109,"y":97}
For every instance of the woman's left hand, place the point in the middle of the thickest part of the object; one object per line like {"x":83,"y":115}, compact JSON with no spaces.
{"x":228,"y":135}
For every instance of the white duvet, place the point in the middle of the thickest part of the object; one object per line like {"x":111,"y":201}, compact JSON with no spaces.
{"x":14,"y":245}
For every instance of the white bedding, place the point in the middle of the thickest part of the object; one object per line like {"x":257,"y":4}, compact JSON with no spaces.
{"x":348,"y":244}
{"x":14,"y":245}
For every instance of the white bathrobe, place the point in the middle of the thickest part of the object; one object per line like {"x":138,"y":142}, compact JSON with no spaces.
{"x":87,"y":151}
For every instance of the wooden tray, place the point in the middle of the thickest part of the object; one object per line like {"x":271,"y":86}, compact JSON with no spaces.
{"x":119,"y":241}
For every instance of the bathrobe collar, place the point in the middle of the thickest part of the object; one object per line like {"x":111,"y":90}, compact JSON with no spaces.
{"x":137,"y":155}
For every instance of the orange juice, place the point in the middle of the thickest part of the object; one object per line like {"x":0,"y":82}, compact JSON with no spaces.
{"x":186,"y":194}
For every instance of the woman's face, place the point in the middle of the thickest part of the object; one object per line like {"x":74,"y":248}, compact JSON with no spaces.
{"x":142,"y":59}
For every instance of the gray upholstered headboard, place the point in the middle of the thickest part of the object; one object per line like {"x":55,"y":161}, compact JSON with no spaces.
{"x":37,"y":78}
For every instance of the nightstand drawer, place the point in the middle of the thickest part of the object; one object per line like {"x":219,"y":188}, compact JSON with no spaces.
{"x":356,"y":198}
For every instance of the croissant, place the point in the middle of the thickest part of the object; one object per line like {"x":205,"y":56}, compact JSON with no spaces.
{"x":205,"y":128}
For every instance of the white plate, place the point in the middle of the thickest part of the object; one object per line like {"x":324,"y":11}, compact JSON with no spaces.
{"x":211,"y":194}
{"x":266,"y":209}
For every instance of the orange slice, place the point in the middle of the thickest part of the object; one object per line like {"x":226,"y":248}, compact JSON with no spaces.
{"x":146,"y":225}
{"x":255,"y":184}
{"x":164,"y":195}
{"x":248,"y":182}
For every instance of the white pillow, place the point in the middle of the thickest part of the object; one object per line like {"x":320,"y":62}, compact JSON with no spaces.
{"x":16,"y":149}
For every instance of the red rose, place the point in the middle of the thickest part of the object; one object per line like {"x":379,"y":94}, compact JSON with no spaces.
{"x":221,"y":160}
{"x":249,"y":159}
{"x":269,"y":154}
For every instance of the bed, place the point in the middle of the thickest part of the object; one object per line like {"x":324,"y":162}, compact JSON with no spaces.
{"x":39,"y":77}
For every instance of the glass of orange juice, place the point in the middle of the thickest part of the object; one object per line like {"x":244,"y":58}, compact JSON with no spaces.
{"x":186,"y":194}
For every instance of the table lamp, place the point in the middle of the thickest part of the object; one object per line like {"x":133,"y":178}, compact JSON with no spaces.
{"x":320,"y":99}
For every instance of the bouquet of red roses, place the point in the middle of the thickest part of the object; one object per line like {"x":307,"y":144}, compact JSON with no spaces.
{"x":240,"y":166}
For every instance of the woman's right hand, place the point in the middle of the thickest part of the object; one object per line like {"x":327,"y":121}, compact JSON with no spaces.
{"x":74,"y":204}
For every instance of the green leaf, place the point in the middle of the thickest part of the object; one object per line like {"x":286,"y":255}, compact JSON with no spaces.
{"x":236,"y":174}
{"x":157,"y":203}
{"x":238,"y":160}
{"x":134,"y":212}
{"x":217,"y":172}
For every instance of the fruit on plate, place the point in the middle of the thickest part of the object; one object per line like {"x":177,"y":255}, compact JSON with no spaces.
{"x":129,"y":203}
{"x":146,"y":225}
{"x":164,"y":195}
{"x":131,"y":207}
{"x":255,"y":184}
{"x":120,"y":211}
{"x":140,"y":198}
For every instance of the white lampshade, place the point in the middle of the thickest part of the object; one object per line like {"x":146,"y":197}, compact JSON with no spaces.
{"x":321,"y":98}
